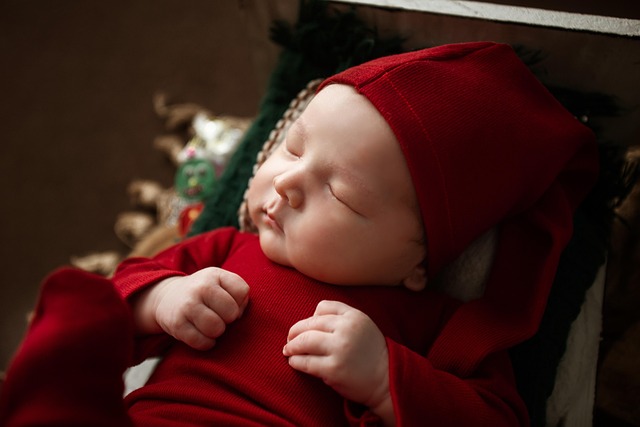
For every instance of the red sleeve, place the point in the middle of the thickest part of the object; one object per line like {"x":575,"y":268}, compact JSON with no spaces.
{"x":421,"y":392}
{"x":423,"y":395}
{"x":196,"y":253}
{"x":135,"y":274}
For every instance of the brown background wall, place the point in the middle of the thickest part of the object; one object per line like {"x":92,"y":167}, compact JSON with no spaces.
{"x":77,"y":80}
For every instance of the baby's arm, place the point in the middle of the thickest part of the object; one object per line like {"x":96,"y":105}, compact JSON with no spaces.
{"x":194,"y":309}
{"x":343,"y":347}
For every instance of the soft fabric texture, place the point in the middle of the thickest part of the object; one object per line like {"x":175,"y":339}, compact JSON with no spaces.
{"x":84,"y":328}
{"x":68,"y":370}
{"x":485,"y":144}
{"x":245,"y":378}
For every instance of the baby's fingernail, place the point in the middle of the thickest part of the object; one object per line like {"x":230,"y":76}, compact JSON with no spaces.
{"x":284,"y":351}
{"x":243,"y":307}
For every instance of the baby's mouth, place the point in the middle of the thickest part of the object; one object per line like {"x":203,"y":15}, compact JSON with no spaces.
{"x":271,"y":220}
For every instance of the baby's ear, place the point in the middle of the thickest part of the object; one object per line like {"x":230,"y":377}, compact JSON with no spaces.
{"x":417,"y":280}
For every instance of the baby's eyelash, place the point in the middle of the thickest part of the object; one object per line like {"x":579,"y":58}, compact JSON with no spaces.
{"x":340,"y":200}
{"x":332,"y":193}
{"x":289,"y":151}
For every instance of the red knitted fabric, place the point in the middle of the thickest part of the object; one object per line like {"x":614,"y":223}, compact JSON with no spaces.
{"x":486,"y":144}
{"x":68,"y":370}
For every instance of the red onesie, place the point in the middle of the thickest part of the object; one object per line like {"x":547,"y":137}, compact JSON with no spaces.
{"x":68,"y":369}
{"x":245,"y":379}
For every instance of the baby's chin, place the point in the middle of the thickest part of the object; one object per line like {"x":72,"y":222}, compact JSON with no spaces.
{"x":273,"y":251}
{"x":273,"y":248}
{"x":277,"y":254}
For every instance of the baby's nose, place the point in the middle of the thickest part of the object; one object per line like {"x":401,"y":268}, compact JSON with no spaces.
{"x":289,"y":189}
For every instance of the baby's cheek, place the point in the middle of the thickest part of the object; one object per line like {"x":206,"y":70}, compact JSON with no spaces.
{"x":274,"y":248}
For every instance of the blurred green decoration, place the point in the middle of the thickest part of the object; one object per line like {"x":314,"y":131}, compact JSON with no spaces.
{"x":195,"y":180}
{"x":200,"y":163}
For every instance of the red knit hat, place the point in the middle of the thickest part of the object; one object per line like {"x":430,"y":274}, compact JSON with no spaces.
{"x":486,"y":145}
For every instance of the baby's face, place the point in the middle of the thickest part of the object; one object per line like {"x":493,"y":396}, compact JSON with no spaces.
{"x":335,"y":200}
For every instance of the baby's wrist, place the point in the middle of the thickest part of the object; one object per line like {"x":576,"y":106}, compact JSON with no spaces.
{"x":381,"y":403}
{"x":384,"y":410}
{"x":145,"y":305}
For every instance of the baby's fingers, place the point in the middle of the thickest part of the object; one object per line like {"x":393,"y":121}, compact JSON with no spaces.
{"x":309,"y":353}
{"x":218,"y":300}
{"x":315,"y":323}
{"x":309,"y":342}
{"x":190,"y":335}
{"x":224,"y":292}
{"x":308,"y":364}
{"x":235,"y":286}
{"x":331,"y":307}
{"x":206,"y":321}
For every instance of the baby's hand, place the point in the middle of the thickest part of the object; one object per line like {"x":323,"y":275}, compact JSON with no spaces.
{"x":343,"y":347}
{"x":194,"y":309}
